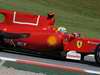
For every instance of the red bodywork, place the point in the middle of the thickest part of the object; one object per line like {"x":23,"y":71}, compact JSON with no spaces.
{"x":41,"y":30}
{"x":43,"y":34}
{"x":82,"y":45}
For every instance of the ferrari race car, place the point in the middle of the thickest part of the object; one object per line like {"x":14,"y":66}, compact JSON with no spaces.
{"x":38,"y":33}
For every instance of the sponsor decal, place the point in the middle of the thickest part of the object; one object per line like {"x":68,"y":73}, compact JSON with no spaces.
{"x":19,"y":22}
{"x":52,"y":40}
{"x":73,"y":55}
{"x":79,"y":44}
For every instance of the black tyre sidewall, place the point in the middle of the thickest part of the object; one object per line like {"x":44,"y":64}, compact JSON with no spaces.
{"x":97,"y":56}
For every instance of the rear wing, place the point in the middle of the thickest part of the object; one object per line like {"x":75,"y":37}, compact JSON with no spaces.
{"x":7,"y":15}
{"x":13,"y":17}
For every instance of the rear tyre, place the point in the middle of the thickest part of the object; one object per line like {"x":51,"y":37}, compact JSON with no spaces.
{"x":97,"y":54}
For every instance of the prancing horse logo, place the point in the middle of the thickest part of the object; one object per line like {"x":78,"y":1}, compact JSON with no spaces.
{"x":79,"y":44}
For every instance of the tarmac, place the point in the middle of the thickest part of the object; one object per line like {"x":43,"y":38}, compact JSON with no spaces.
{"x":88,"y":66}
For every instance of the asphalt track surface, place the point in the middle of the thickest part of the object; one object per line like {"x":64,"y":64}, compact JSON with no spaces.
{"x":88,"y":64}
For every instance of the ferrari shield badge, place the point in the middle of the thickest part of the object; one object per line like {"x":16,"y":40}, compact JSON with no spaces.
{"x":79,"y":44}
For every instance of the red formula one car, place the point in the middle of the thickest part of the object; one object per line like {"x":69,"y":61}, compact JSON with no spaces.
{"x":37,"y":33}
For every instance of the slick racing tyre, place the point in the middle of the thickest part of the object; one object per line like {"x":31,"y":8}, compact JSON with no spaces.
{"x":97,"y":54}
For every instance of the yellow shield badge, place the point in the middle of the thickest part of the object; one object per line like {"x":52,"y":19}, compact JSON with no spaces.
{"x":79,"y":44}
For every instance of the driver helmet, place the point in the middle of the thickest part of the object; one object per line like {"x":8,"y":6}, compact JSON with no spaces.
{"x":62,"y":29}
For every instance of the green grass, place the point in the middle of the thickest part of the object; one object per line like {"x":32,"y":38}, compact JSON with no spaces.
{"x":76,"y":15}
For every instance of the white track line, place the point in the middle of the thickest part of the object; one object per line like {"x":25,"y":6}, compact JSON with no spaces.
{"x":8,"y":59}
{"x":92,"y":72}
